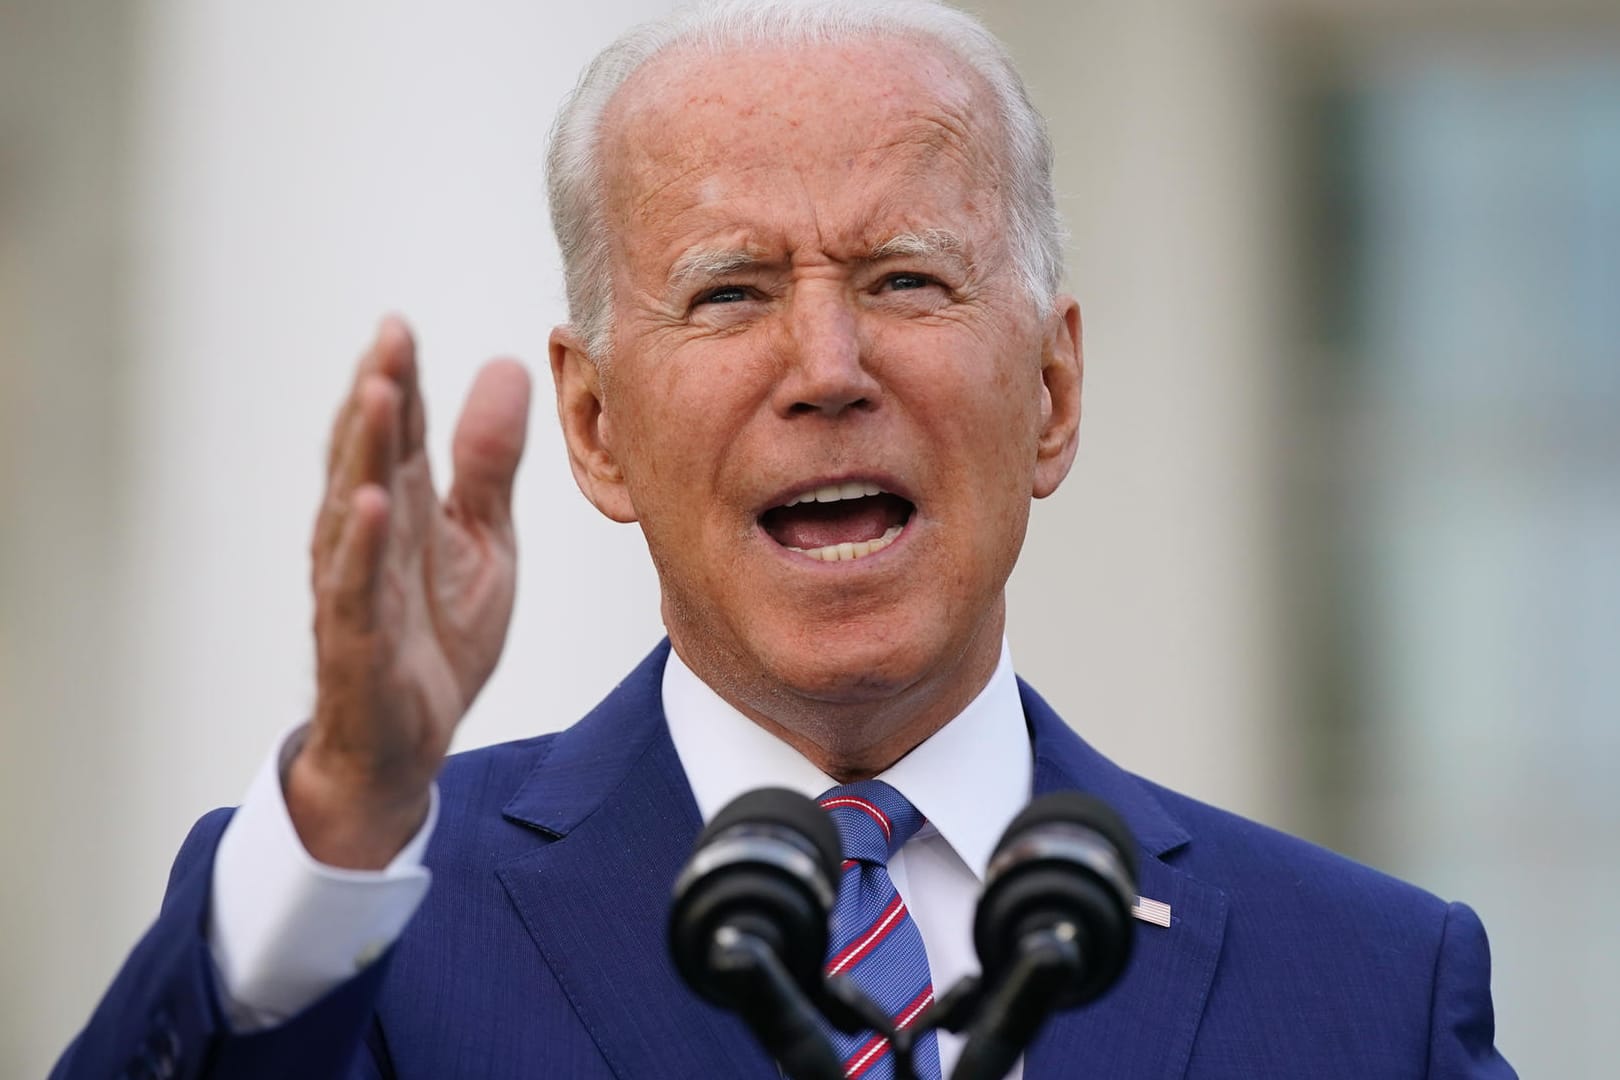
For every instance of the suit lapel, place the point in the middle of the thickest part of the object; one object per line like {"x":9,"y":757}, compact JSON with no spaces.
{"x":612,"y":799}
{"x":1144,"y":1026}
{"x":611,"y":802}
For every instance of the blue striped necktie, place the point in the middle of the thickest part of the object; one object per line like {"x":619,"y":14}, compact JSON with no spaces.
{"x":874,"y":940}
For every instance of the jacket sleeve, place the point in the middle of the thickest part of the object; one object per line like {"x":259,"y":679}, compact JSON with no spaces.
{"x":1462,"y":1022}
{"x":161,"y":1018}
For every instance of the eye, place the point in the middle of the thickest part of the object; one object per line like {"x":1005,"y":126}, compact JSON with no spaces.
{"x":906,"y":282}
{"x":724,"y":294}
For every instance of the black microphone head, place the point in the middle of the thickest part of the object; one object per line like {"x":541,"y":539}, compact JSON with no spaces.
{"x":769,"y":864}
{"x":1075,"y":808}
{"x":1066,"y":860}
{"x":789,"y":809}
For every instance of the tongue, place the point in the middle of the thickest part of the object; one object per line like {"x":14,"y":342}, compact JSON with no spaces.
{"x":849,"y":521}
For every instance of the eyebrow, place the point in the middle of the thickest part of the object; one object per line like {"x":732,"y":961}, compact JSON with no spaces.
{"x":703,"y":263}
{"x":928,"y":244}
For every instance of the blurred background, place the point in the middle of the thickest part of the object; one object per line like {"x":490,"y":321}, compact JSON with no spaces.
{"x":1341,"y":552}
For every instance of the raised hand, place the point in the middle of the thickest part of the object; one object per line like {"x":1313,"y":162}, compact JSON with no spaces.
{"x":413,"y":596}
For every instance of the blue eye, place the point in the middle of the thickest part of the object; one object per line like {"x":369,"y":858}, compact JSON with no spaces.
{"x":908,"y":281}
{"x":725,"y":294}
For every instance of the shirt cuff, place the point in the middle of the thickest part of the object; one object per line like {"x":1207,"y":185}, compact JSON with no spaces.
{"x":283,"y":929}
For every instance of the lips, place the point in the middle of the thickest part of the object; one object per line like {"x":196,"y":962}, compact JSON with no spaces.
{"x":838,"y":522}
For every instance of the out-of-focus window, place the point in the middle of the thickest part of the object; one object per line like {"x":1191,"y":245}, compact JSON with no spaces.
{"x":1472,"y":321}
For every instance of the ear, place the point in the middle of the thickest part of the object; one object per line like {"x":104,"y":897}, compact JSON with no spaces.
{"x":1062,"y":365}
{"x":581,"y":408}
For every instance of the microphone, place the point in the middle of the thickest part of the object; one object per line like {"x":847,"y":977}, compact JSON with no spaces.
{"x":1053,"y":928}
{"x":748,"y":927}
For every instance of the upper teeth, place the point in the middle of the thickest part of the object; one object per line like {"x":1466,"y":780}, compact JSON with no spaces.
{"x":855,"y":489}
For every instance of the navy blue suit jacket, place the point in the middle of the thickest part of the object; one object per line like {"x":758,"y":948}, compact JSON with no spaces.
{"x":539,"y":951}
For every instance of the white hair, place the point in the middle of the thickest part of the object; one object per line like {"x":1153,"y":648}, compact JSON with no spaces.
{"x":574,"y":169}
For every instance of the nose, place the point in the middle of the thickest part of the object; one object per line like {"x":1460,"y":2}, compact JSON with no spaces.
{"x":824,"y":368}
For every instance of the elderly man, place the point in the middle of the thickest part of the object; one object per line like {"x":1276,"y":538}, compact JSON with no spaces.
{"x":817,"y":351}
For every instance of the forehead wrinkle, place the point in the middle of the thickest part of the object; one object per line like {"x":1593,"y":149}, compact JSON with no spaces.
{"x":641,"y":207}
{"x":947,"y":128}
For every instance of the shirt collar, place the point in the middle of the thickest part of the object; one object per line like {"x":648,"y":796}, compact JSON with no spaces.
{"x":968,"y":779}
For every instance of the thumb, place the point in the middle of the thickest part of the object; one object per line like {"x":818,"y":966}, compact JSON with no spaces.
{"x":488,"y":442}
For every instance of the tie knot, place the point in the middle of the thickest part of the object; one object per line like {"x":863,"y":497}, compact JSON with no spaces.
{"x":874,"y":820}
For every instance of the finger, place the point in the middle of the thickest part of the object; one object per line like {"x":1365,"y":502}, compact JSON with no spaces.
{"x":334,"y":506}
{"x":342,"y":425}
{"x":392,"y":355}
{"x":488,"y":442}
{"x":350,"y":596}
{"x":368,"y":454}
{"x":395,"y":359}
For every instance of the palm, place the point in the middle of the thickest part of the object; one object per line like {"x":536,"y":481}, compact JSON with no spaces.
{"x":413,"y":594}
{"x":444,"y":599}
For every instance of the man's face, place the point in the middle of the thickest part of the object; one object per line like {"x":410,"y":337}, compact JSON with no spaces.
{"x":813,"y":291}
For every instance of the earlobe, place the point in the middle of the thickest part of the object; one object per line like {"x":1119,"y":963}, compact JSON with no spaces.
{"x":1062,"y":367}
{"x":587,"y":430}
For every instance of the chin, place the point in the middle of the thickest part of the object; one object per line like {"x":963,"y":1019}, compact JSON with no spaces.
{"x":850,"y":664}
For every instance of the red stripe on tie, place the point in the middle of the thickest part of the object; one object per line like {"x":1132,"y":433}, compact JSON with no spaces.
{"x":861,"y":804}
{"x":872,"y":1050}
{"x":887,"y":921}
{"x":914,"y":1009}
{"x":869,"y":1054}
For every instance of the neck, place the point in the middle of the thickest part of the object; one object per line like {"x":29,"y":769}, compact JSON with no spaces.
{"x":858,"y":737}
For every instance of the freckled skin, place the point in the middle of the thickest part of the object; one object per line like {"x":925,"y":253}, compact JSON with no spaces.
{"x":723,"y":396}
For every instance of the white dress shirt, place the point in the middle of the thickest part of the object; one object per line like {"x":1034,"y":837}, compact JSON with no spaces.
{"x":969,"y":780}
{"x":284,"y":929}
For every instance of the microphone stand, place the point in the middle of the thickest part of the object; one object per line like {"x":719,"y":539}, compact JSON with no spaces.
{"x":1007,"y":1019}
{"x":848,"y":1008}
{"x":1004,"y":1021}
{"x":745,"y":956}
{"x":770,"y":1003}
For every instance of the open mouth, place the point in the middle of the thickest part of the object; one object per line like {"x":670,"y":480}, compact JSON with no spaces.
{"x":838,"y":522}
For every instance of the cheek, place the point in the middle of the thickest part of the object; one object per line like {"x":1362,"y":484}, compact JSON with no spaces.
{"x":985,"y":436}
{"x":687,"y":415}
{"x":989,"y":412}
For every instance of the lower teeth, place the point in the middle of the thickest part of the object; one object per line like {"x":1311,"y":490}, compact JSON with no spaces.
{"x":846,"y":552}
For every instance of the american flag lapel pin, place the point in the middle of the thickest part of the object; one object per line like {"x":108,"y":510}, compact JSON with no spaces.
{"x":1156,"y":912}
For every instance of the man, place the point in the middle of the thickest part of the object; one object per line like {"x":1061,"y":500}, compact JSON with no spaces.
{"x":818,"y":353}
